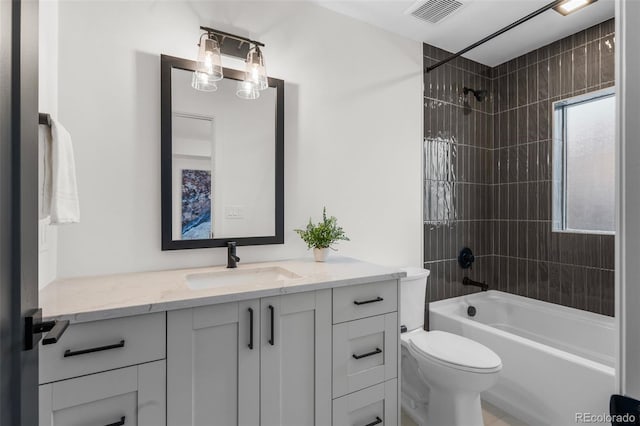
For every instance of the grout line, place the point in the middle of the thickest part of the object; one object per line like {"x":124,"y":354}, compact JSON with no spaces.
{"x":526,"y":259}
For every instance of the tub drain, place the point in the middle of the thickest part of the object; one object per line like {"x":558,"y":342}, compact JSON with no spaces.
{"x":471,"y":311}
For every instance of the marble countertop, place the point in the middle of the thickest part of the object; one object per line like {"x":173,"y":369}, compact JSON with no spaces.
{"x":110,"y":296}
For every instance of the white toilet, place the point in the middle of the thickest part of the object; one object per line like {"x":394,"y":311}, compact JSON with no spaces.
{"x":442,"y":373}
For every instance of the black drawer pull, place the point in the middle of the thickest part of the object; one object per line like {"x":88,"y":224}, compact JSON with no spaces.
{"x":377,"y":421}
{"x":272,"y":341}
{"x":251,"y":328}
{"x":121,"y":422}
{"x":377,"y":299}
{"x":68,"y":352}
{"x":376,"y":352}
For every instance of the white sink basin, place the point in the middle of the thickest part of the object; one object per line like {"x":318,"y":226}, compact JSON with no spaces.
{"x":239,"y":276}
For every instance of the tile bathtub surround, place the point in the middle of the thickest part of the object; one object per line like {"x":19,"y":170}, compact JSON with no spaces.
{"x":517,"y":251}
{"x":458,"y":173}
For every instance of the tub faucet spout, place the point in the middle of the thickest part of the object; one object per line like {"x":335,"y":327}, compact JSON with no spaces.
{"x":469,"y":281}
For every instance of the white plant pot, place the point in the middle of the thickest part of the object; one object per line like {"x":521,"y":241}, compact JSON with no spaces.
{"x":321,"y":254}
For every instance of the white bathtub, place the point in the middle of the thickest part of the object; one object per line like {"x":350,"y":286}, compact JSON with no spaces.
{"x":557,"y":361}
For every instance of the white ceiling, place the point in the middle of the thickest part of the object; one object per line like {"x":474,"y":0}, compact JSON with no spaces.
{"x":474,"y":21}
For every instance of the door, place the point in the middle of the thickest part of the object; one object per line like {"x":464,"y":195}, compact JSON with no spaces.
{"x":295,"y":364}
{"x":18,"y":208}
{"x":213,"y":362}
{"x":132,"y":396}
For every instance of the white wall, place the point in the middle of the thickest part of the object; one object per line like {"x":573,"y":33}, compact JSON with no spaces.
{"x":353,"y":128}
{"x":628,"y":196}
{"x":48,"y":103}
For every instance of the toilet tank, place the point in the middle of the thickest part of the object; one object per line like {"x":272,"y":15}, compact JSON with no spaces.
{"x":412,"y":294}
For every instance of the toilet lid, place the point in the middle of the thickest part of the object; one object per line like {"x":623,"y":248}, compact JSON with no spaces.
{"x":454,"y":349}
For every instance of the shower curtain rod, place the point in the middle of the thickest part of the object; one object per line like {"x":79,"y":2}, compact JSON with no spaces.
{"x":496,"y":34}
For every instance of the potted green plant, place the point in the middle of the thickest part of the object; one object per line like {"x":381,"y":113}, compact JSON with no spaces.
{"x":322,"y":235}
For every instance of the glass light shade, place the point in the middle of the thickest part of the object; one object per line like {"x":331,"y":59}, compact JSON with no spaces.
{"x":247,"y":90}
{"x":256,"y":72}
{"x":201,"y":81}
{"x":209,"y":65}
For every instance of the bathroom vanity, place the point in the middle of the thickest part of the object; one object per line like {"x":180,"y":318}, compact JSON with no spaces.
{"x":291,"y":342}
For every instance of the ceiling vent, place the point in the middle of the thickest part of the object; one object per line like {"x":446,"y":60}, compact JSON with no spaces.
{"x":434,"y":11}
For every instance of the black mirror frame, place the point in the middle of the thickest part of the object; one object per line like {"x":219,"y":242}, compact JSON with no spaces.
{"x":167,"y":64}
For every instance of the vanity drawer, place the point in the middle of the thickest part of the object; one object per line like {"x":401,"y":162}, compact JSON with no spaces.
{"x":91,"y":347}
{"x":377,"y":405}
{"x":365,"y":353}
{"x":364,"y":300}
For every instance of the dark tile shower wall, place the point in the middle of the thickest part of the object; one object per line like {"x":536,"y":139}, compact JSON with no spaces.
{"x":517,"y":251}
{"x":571,"y":269}
{"x":465,"y":127}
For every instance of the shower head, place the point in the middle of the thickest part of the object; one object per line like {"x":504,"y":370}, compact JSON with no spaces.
{"x":480,"y":95}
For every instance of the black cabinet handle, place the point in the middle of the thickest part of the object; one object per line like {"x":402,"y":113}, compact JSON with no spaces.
{"x":251,"y":328}
{"x":364,"y":302}
{"x":120,"y":423}
{"x":376,"y":352}
{"x":69,"y":353}
{"x":377,"y":421}
{"x":272,"y":341}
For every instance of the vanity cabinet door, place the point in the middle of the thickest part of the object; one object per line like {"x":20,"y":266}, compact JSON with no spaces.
{"x":295,"y":373}
{"x":126,"y":397}
{"x":213,"y":365}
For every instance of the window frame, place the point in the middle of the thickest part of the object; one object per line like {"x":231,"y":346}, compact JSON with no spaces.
{"x":559,"y":159}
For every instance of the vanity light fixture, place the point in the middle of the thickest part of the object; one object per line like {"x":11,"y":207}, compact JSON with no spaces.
{"x":571,"y":6}
{"x":209,"y":67}
{"x":212,"y":44}
{"x":256,"y":72}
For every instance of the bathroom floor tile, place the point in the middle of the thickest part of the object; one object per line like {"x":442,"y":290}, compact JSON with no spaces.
{"x":405,"y":420}
{"x":494,"y":416}
{"x":491,"y":415}
{"x":508,"y":421}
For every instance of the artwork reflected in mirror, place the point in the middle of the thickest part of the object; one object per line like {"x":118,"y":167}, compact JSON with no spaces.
{"x":196,"y":204}
{"x":224,"y":162}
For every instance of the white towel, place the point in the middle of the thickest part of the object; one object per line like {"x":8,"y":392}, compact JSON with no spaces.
{"x":44,"y":177}
{"x":59,"y":198}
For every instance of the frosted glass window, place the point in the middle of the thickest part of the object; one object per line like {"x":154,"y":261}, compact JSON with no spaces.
{"x":584,"y":164}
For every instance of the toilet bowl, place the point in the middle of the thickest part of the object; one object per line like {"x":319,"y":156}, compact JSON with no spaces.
{"x":443,"y":374}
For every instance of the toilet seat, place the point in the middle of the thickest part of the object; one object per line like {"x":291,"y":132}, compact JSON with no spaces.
{"x":453,"y":351}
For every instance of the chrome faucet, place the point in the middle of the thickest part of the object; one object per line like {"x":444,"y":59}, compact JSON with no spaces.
{"x":232,"y":259}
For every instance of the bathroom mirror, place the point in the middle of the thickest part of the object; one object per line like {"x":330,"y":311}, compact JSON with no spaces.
{"x":222,"y":161}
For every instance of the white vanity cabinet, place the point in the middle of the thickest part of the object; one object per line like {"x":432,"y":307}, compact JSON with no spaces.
{"x":366,"y":339}
{"x":110,"y":372}
{"x":318,"y":350}
{"x":274,"y":370}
